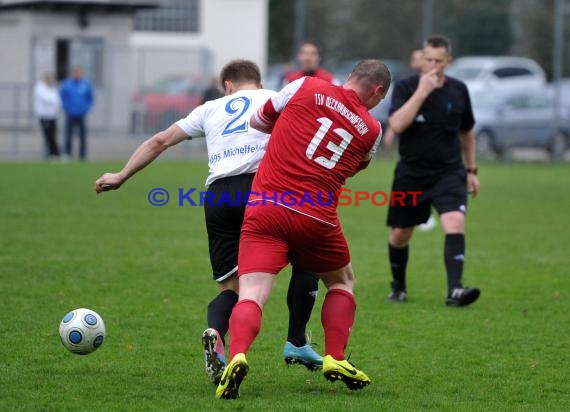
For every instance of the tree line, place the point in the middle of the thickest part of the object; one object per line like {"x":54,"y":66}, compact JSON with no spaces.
{"x":352,"y":29}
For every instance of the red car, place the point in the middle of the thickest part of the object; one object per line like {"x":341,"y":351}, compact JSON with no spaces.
{"x":167,"y":101}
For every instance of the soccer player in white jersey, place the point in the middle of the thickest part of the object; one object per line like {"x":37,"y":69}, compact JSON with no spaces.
{"x":234,"y":153}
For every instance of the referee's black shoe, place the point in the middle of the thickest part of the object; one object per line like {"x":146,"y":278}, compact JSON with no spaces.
{"x":462,"y":296}
{"x":398,"y":294}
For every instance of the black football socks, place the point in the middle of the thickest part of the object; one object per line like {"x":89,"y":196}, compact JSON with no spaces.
{"x":454,"y":255}
{"x":398,"y":263}
{"x":301,"y":298}
{"x":220,"y":310}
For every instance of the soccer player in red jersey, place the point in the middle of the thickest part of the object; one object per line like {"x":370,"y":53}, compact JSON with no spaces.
{"x":321,"y":134}
{"x":309,"y":59}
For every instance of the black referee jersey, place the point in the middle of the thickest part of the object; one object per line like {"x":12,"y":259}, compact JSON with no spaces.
{"x":431,"y":144}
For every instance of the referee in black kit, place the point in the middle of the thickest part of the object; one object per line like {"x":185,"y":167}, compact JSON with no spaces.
{"x":433,"y":116}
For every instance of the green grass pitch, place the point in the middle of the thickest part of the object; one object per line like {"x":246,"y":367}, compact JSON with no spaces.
{"x":145,"y":269}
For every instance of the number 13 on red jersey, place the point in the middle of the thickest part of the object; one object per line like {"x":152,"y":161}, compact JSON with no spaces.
{"x":337,"y":150}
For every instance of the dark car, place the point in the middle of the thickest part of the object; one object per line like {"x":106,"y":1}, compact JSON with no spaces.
{"x":167,"y":101}
{"x":523,"y":118}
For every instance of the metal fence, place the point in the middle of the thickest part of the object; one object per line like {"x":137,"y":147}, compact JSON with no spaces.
{"x":139,"y":91}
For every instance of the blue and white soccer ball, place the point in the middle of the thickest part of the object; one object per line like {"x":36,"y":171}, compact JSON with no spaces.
{"x":82,"y":331}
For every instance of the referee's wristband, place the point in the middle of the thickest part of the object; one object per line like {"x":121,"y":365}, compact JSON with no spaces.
{"x":472,"y":171}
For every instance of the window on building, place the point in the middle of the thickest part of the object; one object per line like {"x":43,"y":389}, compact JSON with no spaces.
{"x":172,"y":16}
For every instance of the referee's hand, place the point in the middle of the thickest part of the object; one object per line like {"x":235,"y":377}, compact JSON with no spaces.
{"x":428,"y":82}
{"x":472,"y":184}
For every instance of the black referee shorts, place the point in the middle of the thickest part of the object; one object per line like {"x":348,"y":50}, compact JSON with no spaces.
{"x":446,"y":192}
{"x":223,"y":223}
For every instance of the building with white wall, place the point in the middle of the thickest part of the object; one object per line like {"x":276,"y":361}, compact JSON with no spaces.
{"x":123,"y":46}
{"x":230,"y":29}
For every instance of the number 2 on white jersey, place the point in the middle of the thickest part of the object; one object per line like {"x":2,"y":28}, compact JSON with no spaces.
{"x":337,"y":150}
{"x":233,"y":107}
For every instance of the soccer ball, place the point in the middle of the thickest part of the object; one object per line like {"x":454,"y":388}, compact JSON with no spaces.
{"x":82,"y":331}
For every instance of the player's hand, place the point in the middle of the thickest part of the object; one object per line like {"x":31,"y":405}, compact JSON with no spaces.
{"x":428,"y":82}
{"x":472,"y":184}
{"x":109,"y":181}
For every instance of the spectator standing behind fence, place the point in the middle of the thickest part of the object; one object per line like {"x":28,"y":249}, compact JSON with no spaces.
{"x":77,"y":98}
{"x":46,"y":108}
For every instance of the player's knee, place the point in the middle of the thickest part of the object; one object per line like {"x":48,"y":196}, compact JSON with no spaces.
{"x":229,"y":284}
{"x":348,"y":278}
{"x":344,"y":284}
{"x":306,"y":276}
{"x":453,"y":222}
{"x":339,"y":279}
{"x":400,"y":237}
{"x":256,"y":287}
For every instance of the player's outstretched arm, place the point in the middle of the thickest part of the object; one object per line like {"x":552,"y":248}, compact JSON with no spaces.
{"x":144,"y":155}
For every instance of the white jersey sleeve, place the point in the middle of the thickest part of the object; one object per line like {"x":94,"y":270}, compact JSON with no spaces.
{"x":234,"y":148}
{"x":193,"y":124}
{"x":376,"y":143}
{"x":281,"y":99}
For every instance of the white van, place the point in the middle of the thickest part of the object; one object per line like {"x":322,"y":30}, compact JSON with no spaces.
{"x":484,"y":73}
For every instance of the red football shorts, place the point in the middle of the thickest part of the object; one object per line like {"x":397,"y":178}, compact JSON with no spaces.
{"x":272,"y":236}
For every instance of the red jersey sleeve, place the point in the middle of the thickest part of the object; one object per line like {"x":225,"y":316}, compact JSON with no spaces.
{"x":366,"y":161}
{"x":267,"y":115}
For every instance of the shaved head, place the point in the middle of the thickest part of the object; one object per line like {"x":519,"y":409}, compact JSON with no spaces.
{"x":372,"y":73}
{"x":371,"y":80}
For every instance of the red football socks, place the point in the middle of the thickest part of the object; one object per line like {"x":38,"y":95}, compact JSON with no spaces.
{"x":337,"y":317}
{"x":245,"y":323}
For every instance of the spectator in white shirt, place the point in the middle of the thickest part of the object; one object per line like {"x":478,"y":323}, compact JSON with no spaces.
{"x":46,"y":107}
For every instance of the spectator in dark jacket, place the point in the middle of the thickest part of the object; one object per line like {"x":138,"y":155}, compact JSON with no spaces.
{"x":77,"y":99}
